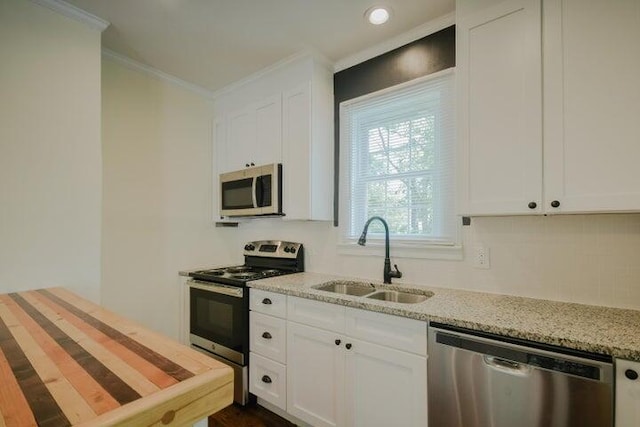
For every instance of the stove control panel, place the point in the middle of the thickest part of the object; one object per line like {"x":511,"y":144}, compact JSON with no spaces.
{"x":272,"y":249}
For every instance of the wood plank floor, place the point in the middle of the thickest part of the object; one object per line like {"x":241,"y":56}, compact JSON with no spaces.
{"x":252,"y":415}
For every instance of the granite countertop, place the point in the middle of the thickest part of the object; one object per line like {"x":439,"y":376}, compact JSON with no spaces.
{"x":595,"y":329}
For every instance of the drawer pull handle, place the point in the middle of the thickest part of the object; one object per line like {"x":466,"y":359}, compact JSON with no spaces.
{"x":338,"y":342}
{"x":266,"y":379}
{"x":266,"y":301}
{"x":631,"y":374}
{"x":555,"y":204}
{"x":348,"y":345}
{"x":266,"y":336}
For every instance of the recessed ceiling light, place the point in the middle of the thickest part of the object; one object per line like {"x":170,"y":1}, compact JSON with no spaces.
{"x":377,"y":15}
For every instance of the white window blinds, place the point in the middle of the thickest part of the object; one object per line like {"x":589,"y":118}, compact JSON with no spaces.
{"x":399,"y":146}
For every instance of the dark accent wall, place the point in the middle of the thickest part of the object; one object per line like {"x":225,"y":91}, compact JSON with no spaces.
{"x":430,"y":54}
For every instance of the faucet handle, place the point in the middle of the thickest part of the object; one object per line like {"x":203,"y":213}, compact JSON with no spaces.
{"x":397,"y":274}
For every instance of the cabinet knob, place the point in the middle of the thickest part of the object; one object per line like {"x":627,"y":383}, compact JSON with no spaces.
{"x":266,"y":301}
{"x":266,"y":379}
{"x":631,"y":374}
{"x":266,"y":336}
{"x":246,"y":165}
{"x":338,"y":342}
{"x":532,"y":205}
{"x":348,"y":345}
{"x":555,"y":204}
{"x":253,"y":164}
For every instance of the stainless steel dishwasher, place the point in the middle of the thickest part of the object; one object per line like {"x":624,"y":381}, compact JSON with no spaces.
{"x":482,"y":380}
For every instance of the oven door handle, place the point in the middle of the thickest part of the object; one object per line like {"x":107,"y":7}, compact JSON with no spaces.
{"x":232,"y":291}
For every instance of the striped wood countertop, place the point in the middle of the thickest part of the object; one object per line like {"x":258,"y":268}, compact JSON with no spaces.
{"x":66,"y":361}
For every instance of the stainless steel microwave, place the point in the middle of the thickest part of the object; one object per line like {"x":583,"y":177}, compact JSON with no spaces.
{"x":252,"y":191}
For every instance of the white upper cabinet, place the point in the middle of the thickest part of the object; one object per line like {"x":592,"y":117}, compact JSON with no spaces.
{"x":268,"y":141}
{"x":498,"y":64}
{"x":241,"y":134}
{"x":577,"y":151}
{"x":253,"y":136}
{"x":283,"y":116}
{"x":592,"y":105}
{"x":306,"y":153}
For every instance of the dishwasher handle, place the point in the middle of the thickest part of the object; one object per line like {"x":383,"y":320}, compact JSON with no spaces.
{"x":507,"y":366}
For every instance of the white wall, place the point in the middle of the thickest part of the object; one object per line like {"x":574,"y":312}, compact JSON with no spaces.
{"x":591,"y":259}
{"x":157,"y":195}
{"x":50,"y":156}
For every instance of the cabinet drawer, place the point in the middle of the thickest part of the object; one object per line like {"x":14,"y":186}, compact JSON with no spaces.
{"x":315,"y":313}
{"x":268,"y":380}
{"x":384,"y":329}
{"x":268,"y":303}
{"x":268,"y":336}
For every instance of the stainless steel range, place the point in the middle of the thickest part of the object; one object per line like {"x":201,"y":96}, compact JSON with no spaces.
{"x":219,"y":304}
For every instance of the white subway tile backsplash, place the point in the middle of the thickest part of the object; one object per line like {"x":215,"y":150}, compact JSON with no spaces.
{"x":589,"y":259}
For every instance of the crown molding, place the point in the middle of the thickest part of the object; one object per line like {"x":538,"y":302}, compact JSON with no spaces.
{"x":414,"y":34}
{"x":73,"y":12}
{"x":147,"y":69}
{"x":303,"y":54}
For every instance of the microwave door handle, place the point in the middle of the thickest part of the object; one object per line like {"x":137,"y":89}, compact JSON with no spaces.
{"x":254,"y":189}
{"x":259,"y":193}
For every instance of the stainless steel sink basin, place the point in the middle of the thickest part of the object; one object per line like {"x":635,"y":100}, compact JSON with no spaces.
{"x":397,"y":296}
{"x":347,"y":288}
{"x":368,"y":290}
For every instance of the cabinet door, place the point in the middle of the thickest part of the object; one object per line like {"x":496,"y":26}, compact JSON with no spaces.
{"x":500,"y":109}
{"x":241,"y":136}
{"x":296,"y":153}
{"x":627,"y":393}
{"x":268,"y":144}
{"x":384,"y":386}
{"x":315,"y":375}
{"x":592,"y":105}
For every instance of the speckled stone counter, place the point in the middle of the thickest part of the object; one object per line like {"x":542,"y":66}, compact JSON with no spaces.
{"x":595,"y":329}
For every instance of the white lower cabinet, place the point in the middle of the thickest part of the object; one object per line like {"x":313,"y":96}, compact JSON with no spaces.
{"x":268,"y":380}
{"x":384,"y":386}
{"x":315,"y":381}
{"x":627,"y":393}
{"x":335,"y":379}
{"x":332,"y":366}
{"x":267,"y":345}
{"x":268,"y":336}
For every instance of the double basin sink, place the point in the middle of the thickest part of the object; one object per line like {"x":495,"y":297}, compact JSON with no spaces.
{"x":369,"y":291}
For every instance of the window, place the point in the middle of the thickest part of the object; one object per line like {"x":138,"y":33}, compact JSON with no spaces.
{"x":397,"y":147}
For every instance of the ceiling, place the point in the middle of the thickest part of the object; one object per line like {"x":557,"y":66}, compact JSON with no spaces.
{"x":213,"y":43}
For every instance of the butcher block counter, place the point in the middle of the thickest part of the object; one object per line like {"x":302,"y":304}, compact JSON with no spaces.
{"x":66,"y":361}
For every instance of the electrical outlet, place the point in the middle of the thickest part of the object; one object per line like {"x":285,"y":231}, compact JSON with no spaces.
{"x":481,"y":257}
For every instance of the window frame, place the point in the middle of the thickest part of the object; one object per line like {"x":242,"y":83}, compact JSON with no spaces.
{"x":404,"y":246}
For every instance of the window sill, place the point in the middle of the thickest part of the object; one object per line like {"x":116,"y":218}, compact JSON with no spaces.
{"x":404,"y":250}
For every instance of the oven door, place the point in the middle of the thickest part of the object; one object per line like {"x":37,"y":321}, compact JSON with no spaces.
{"x":219,"y":320}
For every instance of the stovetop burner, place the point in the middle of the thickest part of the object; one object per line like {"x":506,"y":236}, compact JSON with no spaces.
{"x":237,"y":275}
{"x":262,"y":259}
